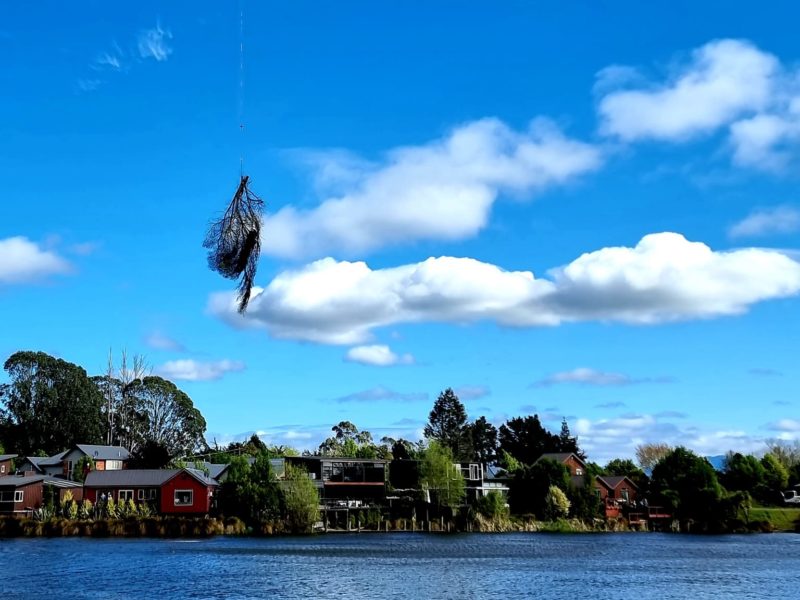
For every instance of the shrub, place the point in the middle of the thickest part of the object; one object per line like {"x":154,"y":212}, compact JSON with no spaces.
{"x":556,"y":504}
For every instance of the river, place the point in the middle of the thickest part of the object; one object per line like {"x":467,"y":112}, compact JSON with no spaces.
{"x":407,"y":565}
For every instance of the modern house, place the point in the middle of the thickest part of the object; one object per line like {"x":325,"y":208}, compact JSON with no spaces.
{"x":169,"y":491}
{"x":479,"y":480}
{"x":20,"y":494}
{"x":62,"y":464}
{"x":338,"y":480}
{"x":7,"y":464}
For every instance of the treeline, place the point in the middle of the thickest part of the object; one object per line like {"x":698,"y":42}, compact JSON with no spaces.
{"x":50,"y":404}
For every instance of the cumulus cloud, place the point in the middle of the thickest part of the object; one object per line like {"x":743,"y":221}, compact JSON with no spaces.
{"x":766,"y":221}
{"x":785,"y":425}
{"x":472,"y":392}
{"x":381,"y":394}
{"x":663,"y":278}
{"x":443,"y":190}
{"x":153,"y":43}
{"x":604,"y":439}
{"x":585,"y":376}
{"x":193,"y":370}
{"x":160,"y":341}
{"x":377,"y":356}
{"x":24,"y":261}
{"x":724,"y":80}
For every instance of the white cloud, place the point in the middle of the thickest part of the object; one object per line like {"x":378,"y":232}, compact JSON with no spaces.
{"x":604,"y":439}
{"x":160,"y":341}
{"x":765,"y":221}
{"x":585,"y":376}
{"x":724,"y":80}
{"x":382,"y":394}
{"x":378,"y":356}
{"x":108,"y":60}
{"x":152,"y":43}
{"x":472,"y":392}
{"x":23,"y":261}
{"x":443,"y":190}
{"x":193,"y":370}
{"x":785,"y":425}
{"x":663,"y":278}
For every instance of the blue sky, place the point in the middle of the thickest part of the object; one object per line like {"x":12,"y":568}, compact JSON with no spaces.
{"x":588,"y":212}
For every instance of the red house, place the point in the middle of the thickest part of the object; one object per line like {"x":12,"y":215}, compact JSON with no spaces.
{"x":20,"y":494}
{"x":169,"y":491}
{"x":573,"y":462}
{"x":615,"y":492}
{"x":7,"y":464}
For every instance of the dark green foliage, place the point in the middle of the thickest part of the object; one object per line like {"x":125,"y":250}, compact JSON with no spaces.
{"x":48,"y":405}
{"x":585,"y":502}
{"x":531,"y":483}
{"x":492,"y":505}
{"x":234,"y":241}
{"x":484,"y":441}
{"x":349,"y":442}
{"x":150,"y":455}
{"x":447,"y":425}
{"x":82,"y":468}
{"x":742,"y":472}
{"x":300,"y":500}
{"x":687,"y":485}
{"x":250,"y":492}
{"x":776,"y":478}
{"x":568,"y":443}
{"x":526,"y":440}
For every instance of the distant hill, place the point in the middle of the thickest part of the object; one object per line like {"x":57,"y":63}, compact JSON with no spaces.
{"x":717,"y":461}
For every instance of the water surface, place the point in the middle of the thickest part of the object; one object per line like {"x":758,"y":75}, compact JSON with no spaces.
{"x":608,"y":566}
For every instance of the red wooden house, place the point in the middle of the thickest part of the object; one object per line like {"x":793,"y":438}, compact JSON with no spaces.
{"x":169,"y":491}
{"x":20,"y":494}
{"x":615,"y":493}
{"x":7,"y":464}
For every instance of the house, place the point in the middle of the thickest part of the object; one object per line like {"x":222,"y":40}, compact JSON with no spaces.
{"x":169,"y":491}
{"x":616,"y":493}
{"x":63,"y":464}
{"x":359,"y":480}
{"x":42,"y":465}
{"x":7,"y":464}
{"x":21,"y":494}
{"x":573,"y":462}
{"x":479,"y":480}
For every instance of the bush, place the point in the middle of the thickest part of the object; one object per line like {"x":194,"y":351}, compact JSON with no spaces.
{"x":492,"y":506}
{"x":556,"y":504}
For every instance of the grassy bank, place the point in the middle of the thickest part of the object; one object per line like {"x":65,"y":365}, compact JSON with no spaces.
{"x":777,"y":519}
{"x":168,"y":527}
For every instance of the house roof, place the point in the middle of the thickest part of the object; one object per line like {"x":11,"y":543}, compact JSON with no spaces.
{"x":17,"y":481}
{"x":140,"y":477}
{"x":613,"y":482}
{"x":7,"y":457}
{"x":560,"y":457}
{"x":104,"y":452}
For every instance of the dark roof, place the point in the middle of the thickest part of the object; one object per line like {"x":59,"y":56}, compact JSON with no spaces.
{"x":560,"y":457}
{"x":7,"y":457}
{"x":104,"y":452}
{"x":140,"y":477}
{"x":46,"y":461}
{"x":613,"y":482}
{"x":21,"y":481}
{"x":214,"y":469}
{"x":338,"y":459}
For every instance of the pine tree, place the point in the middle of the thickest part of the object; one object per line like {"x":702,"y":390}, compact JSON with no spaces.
{"x":447,"y":424}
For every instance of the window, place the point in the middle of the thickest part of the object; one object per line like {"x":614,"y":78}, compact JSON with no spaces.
{"x":625,"y":495}
{"x":578,"y":471}
{"x":183,"y":497}
{"x":69,"y":469}
{"x":475,"y":472}
{"x":6,"y":496}
{"x":2,"y":468}
{"x":147,"y":494}
{"x":125,"y":495}
{"x":18,"y":495}
{"x":113,"y":465}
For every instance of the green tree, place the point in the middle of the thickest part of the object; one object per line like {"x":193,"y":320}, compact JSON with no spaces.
{"x":447,"y":425}
{"x":169,"y":417}
{"x":48,"y":405}
{"x":81,"y":469}
{"x":349,"y":442}
{"x":687,"y":484}
{"x":742,"y":473}
{"x":531,"y":483}
{"x":300,"y":500}
{"x":567,"y":442}
{"x":484,"y":441}
{"x":556,"y":503}
{"x":440,"y":476}
{"x":776,"y":478}
{"x":525,"y":439}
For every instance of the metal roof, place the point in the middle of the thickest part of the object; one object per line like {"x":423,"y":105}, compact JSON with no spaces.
{"x":21,"y":481}
{"x":7,"y":457}
{"x":104,"y":452}
{"x":613,"y":481}
{"x":140,"y":477}
{"x":338,"y":459}
{"x":559,"y":457}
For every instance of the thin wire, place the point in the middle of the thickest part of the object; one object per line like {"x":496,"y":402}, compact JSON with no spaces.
{"x":241,"y":87}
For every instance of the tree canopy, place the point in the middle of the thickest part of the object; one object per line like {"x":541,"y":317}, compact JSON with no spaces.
{"x":447,"y":425}
{"x":526,"y":440}
{"x":48,"y":405}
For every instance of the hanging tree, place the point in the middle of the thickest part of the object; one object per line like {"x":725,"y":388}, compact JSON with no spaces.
{"x":234,"y":240}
